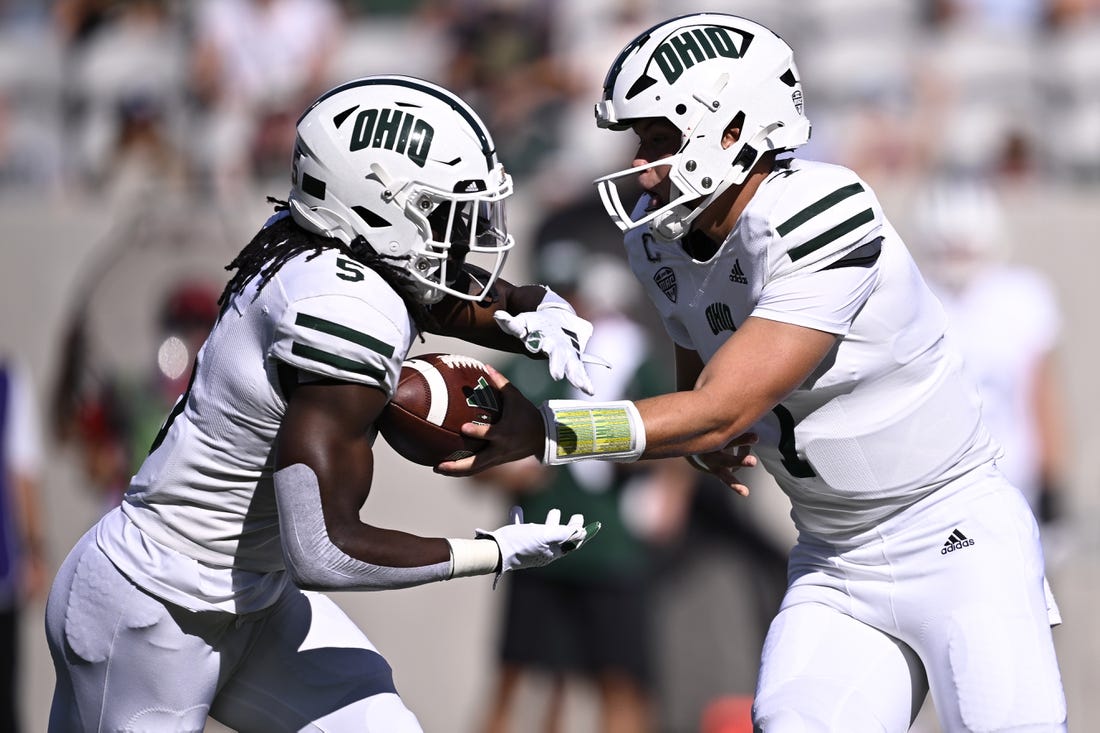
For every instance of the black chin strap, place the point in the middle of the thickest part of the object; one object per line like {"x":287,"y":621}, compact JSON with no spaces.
{"x":699,"y":246}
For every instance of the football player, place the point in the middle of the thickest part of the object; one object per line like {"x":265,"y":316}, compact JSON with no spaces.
{"x":962,"y":232}
{"x":800,"y":322}
{"x":196,"y":596}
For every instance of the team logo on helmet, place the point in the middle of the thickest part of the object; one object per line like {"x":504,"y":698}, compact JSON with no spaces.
{"x":681,"y":51}
{"x":392,"y":129}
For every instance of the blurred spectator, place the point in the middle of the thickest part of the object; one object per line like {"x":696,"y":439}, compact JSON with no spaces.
{"x":23,"y":575}
{"x":31,"y":137}
{"x":502,"y":63}
{"x":585,"y":36}
{"x":590,"y":619}
{"x":999,"y":15}
{"x":1070,"y":79}
{"x":122,"y":54}
{"x":145,"y":161}
{"x":1007,"y":322}
{"x":77,"y":20}
{"x":115,"y":417}
{"x":859,"y":70}
{"x":978,"y":84}
{"x":256,"y":64}
{"x":379,"y":31}
{"x":30,"y":150}
{"x":728,"y":562}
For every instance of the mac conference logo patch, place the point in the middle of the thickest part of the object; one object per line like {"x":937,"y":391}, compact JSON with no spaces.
{"x":666,"y":281}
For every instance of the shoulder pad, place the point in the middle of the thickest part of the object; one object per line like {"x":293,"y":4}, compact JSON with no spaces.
{"x":822,"y":213}
{"x":343,"y":337}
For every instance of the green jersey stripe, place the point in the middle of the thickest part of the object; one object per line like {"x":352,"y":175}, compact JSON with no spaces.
{"x":816,"y":208}
{"x":340,"y":331}
{"x":339,"y":362}
{"x":864,"y":217}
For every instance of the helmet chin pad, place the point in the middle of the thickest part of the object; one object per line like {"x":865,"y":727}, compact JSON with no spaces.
{"x":670,"y":227}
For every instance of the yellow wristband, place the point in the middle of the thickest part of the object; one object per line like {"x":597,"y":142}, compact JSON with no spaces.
{"x":577,"y":429}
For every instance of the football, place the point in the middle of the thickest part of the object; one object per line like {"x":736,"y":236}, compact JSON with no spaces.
{"x":436,"y":395}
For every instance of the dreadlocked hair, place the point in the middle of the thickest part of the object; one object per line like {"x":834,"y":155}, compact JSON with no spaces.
{"x":283,"y":240}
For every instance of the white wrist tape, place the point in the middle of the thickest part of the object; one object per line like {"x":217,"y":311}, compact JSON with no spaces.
{"x":473,"y":557}
{"x":577,"y":429}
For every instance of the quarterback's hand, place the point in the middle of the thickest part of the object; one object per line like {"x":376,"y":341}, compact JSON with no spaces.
{"x":725,"y":463}
{"x":518,"y":433}
{"x":555,"y":330}
{"x":533,"y":545}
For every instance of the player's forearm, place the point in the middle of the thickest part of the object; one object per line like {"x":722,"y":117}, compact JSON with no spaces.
{"x":691,"y":422}
{"x":473,"y":322}
{"x":33,"y":537}
{"x":709,"y":418}
{"x":667,"y":426}
{"x":522,"y":298}
{"x":349,"y":555}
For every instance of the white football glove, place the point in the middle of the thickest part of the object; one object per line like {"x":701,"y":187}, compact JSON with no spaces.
{"x":533,"y":545}
{"x":555,"y":330}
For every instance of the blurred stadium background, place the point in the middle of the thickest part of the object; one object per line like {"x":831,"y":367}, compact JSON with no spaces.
{"x":139,"y":138}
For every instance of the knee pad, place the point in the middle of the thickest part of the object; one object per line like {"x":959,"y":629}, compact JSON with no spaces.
{"x":192,"y":720}
{"x":814,"y":709}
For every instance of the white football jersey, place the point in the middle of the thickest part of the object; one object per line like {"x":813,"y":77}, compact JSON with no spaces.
{"x":204,"y":500}
{"x":887,"y":417}
{"x":1006,"y":320}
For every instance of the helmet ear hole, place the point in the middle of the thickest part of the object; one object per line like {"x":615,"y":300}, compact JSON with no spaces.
{"x":736,"y":125}
{"x":372,"y":219}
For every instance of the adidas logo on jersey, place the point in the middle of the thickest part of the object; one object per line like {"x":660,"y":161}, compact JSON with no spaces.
{"x":737,"y":275}
{"x":956,"y":541}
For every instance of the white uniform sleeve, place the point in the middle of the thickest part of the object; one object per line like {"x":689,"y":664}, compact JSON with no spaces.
{"x":826,"y":236}
{"x":827,"y":300}
{"x":822,"y":220}
{"x":340,"y":336}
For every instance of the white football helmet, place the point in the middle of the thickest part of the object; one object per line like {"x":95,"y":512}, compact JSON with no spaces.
{"x":410,"y":168}
{"x":699,"y":72}
{"x":961,"y":230}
